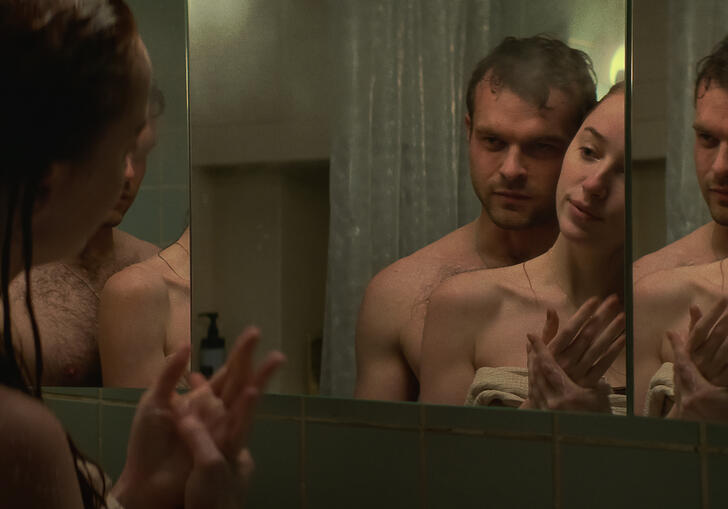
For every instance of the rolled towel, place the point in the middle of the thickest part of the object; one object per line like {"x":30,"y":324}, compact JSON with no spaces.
{"x":661,"y":394}
{"x":508,"y":386}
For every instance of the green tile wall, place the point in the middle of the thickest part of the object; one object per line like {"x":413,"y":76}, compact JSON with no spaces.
{"x":319,"y":453}
{"x":159,"y":213}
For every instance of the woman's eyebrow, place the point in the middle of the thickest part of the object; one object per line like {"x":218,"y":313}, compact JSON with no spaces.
{"x":595,"y":133}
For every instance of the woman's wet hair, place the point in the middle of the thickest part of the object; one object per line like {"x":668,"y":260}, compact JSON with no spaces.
{"x":67,"y":76}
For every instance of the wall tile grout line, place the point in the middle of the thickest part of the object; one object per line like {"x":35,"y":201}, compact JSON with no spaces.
{"x":423,"y":460}
{"x":556,"y":466}
{"x":302,"y":452}
{"x":512,"y":435}
{"x":703,"y":455}
{"x":100,"y":437}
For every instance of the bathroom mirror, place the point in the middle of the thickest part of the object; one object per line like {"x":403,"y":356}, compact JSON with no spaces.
{"x":673,"y":144}
{"x":288,"y":100}
{"x":152,"y":213}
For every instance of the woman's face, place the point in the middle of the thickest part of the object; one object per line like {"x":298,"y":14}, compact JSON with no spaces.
{"x":82,"y":194}
{"x":590,"y":191}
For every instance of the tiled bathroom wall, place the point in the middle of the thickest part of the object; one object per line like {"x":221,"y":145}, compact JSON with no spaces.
{"x":161,"y":209}
{"x":331,"y":453}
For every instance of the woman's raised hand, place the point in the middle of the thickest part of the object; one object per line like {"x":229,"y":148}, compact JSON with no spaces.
{"x":589,"y":342}
{"x":696,"y":398}
{"x":566,"y":367}
{"x":163,"y":450}
{"x":707,"y":342}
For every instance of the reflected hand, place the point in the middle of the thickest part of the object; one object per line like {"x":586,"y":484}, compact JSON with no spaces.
{"x":550,"y":388}
{"x":695,"y":397}
{"x":707,"y":342}
{"x":589,"y":342}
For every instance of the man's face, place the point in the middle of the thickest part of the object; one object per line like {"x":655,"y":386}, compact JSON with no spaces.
{"x":516,"y":150}
{"x":711,"y":149}
{"x":136,"y":168}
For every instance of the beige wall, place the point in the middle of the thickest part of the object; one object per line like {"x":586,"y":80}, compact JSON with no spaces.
{"x":259,"y":238}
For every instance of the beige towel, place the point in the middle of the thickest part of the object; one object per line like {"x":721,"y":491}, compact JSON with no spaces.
{"x":661,"y":394}
{"x":508,"y":386}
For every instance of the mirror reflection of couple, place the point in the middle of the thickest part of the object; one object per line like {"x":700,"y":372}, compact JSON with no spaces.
{"x":523,"y":306}
{"x":546,"y":329}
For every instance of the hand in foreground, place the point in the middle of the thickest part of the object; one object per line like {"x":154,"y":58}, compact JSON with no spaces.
{"x":707,"y":342}
{"x":695,"y":397}
{"x":550,"y":388}
{"x":159,"y":458}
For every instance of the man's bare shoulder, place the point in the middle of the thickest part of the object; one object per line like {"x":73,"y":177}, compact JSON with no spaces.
{"x":425,"y":268}
{"x":132,"y":248}
{"x":477,"y":291}
{"x":692,"y":249}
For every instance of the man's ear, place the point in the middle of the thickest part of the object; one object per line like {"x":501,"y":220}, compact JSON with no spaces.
{"x":468,"y":126}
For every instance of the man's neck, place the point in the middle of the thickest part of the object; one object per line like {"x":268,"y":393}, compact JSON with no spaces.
{"x":99,"y":246}
{"x":500,"y":247}
{"x":719,"y":240}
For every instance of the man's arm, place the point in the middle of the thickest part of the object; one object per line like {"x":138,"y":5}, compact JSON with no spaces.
{"x":448,"y":345}
{"x":133,"y":316}
{"x":382,"y":371}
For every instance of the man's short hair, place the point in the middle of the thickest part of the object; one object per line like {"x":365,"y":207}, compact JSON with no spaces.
{"x":530,"y":67}
{"x":713,"y":68}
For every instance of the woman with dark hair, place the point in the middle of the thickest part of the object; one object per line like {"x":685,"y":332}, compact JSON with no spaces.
{"x":73,"y":98}
{"x":479,"y":345}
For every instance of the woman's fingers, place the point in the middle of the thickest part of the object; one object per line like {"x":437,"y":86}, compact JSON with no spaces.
{"x":270,"y":365}
{"x":590,"y":332}
{"x":596,"y":372}
{"x":700,"y":332}
{"x":706,"y":356}
{"x":551,"y":327}
{"x":174,"y":367}
{"x":597,"y":349}
{"x":239,"y":366}
{"x":240,"y":421}
{"x":197,"y":438}
{"x":574,"y":325}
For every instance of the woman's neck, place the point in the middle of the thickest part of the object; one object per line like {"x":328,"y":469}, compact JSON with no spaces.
{"x":582,"y":272}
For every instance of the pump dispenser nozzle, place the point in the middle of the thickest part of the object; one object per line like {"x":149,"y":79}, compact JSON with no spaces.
{"x":212,"y":347}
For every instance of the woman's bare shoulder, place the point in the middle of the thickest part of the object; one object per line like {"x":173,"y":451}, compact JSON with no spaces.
{"x":142,"y":280}
{"x":36,"y":465}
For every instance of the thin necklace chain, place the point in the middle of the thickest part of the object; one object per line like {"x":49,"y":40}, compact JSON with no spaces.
{"x":183,"y":248}
{"x":159,"y":254}
{"x":535,"y":295}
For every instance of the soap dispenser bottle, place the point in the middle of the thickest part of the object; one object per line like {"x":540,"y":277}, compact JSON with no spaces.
{"x":212,"y":348}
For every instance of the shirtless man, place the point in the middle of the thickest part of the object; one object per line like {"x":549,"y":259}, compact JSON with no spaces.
{"x":695,"y":264}
{"x":525,"y":101}
{"x":66,"y":294}
{"x":709,"y":242}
